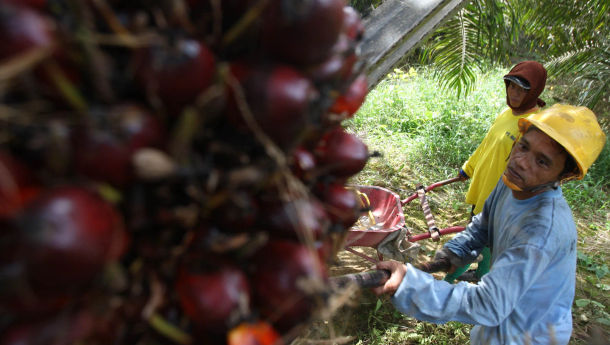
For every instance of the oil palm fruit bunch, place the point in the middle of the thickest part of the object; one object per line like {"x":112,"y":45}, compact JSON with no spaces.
{"x":173,"y":171}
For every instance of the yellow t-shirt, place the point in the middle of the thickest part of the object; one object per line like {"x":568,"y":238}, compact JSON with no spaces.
{"x":486,"y":165}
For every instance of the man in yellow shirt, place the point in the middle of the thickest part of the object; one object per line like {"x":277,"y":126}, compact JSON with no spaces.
{"x":524,"y":83}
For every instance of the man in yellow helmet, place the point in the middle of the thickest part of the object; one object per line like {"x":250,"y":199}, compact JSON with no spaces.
{"x":527,"y":295}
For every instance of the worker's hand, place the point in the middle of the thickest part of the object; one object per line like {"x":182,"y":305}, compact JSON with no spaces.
{"x":437,"y":265}
{"x":445,"y":259}
{"x":462,"y":175}
{"x":397,"y":270}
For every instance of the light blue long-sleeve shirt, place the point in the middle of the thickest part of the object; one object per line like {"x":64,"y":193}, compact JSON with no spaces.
{"x":528,"y":292}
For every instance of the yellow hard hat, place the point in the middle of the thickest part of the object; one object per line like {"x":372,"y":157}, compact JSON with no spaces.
{"x":575,"y":128}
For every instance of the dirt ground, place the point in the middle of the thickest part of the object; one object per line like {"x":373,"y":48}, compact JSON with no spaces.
{"x":339,"y":328}
{"x":347,"y":262}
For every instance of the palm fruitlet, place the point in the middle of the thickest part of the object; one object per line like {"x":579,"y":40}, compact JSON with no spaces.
{"x":68,"y":234}
{"x":212,"y":299}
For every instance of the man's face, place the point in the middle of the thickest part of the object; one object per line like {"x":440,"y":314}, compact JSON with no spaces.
{"x":516,"y":94}
{"x":535,"y":160}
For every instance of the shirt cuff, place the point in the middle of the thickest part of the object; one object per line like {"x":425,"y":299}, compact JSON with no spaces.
{"x":413,"y":281}
{"x":422,"y":296}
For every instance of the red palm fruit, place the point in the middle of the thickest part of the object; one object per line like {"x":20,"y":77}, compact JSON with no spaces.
{"x":279,"y":98}
{"x":68,"y":235}
{"x":303,"y":163}
{"x":102,"y":157}
{"x":337,"y":68}
{"x":302,"y":32}
{"x":282,"y":271}
{"x":37,"y":4}
{"x":106,"y":154}
{"x":17,"y":185}
{"x":341,"y":154}
{"x":134,"y":125}
{"x":175,"y":74}
{"x":255,"y":333}
{"x":327,"y":71}
{"x":23,"y":29}
{"x":353,"y":26}
{"x":341,"y":204}
{"x":351,"y":99}
{"x":303,"y":219}
{"x":213,"y":300}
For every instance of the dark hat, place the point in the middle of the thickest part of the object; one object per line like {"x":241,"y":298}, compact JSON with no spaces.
{"x":535,"y":75}
{"x":518,"y":80}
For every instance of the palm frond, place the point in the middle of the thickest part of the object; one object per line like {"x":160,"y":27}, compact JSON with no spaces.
{"x":570,"y":62}
{"x":590,"y":68}
{"x":570,"y":37}
{"x":455,"y":58}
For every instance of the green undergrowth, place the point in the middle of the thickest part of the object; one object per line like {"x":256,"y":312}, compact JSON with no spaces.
{"x":423,"y":136}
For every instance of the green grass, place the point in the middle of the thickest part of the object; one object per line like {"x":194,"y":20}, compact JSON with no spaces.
{"x":424,"y":136}
{"x":408,"y":110}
